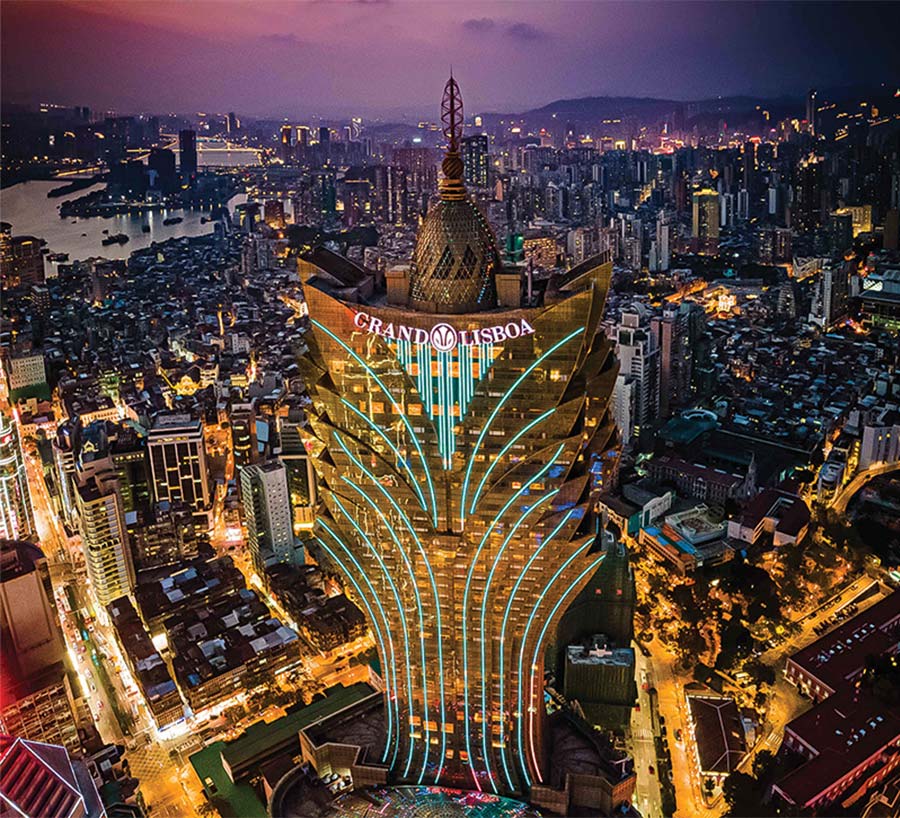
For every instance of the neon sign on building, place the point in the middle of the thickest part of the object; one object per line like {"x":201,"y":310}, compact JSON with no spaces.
{"x":443,"y":337}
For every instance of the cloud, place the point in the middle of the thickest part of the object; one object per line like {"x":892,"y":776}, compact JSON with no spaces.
{"x":479,"y":24}
{"x":281,"y":39}
{"x":524,"y":32}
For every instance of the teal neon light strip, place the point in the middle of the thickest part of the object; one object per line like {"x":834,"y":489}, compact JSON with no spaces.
{"x":412,"y":577}
{"x":413,"y":482}
{"x":392,"y":701}
{"x":544,"y":543}
{"x":400,"y":610}
{"x":484,"y":429}
{"x":465,"y":611}
{"x":537,"y":646}
{"x":512,"y":442}
{"x":485,"y":720}
{"x":403,"y":417}
{"x":534,"y":610}
{"x":445,"y":395}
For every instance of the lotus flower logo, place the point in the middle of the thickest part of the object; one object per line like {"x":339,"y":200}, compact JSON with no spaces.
{"x":443,"y":337}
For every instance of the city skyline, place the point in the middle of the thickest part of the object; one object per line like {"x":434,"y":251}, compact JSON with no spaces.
{"x":273,"y":60}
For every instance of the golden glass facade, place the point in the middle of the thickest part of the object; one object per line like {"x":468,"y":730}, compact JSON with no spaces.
{"x":459,"y":460}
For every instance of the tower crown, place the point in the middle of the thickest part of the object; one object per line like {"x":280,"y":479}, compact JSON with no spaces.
{"x":456,"y":255}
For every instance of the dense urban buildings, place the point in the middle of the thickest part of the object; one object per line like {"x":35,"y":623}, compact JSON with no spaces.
{"x":361,"y":456}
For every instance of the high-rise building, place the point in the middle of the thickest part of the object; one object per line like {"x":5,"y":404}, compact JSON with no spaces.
{"x":811,"y":110}
{"x":625,"y":406}
{"x":178,"y":464}
{"x":267,"y":515}
{"x":105,"y":539}
{"x":232,"y":123}
{"x":706,"y":222}
{"x":21,"y":261}
{"x":461,"y":441}
{"x":16,"y":521}
{"x":638,"y":356}
{"x":36,"y":698}
{"x":476,"y":160}
{"x":287,"y":143}
{"x":673,"y":343}
{"x":187,"y":156}
{"x":161,"y":163}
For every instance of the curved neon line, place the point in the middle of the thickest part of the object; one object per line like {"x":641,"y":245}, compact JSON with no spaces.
{"x":392,"y":700}
{"x":531,"y":616}
{"x":503,"y":451}
{"x":465,"y":609}
{"x":437,"y":600}
{"x":377,"y":429}
{"x":412,"y":577}
{"x":487,"y":590}
{"x":537,"y":647}
{"x":400,"y":610}
{"x":484,"y":429}
{"x":403,"y":417}
{"x":544,"y":543}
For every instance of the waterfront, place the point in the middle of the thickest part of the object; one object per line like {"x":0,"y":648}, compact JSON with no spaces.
{"x":26,"y":207}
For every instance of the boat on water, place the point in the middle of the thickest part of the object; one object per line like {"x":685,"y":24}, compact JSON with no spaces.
{"x":173,"y":220}
{"x":58,"y":257}
{"x":118,"y":238}
{"x":145,"y":228}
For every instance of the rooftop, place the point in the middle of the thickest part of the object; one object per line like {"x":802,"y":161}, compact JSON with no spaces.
{"x":719,"y":732}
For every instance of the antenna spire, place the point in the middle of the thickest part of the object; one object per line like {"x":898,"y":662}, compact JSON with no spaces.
{"x":452,"y":125}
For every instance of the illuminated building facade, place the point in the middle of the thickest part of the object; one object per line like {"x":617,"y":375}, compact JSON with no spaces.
{"x":460,"y":442}
{"x":15,"y":501}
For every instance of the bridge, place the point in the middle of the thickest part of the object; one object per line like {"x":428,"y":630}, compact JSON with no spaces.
{"x":842,"y":498}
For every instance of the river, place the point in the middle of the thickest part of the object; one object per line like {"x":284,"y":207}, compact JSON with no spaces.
{"x":26,"y":207}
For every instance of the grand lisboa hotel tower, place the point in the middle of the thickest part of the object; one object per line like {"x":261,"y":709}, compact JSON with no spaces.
{"x":461,"y":438}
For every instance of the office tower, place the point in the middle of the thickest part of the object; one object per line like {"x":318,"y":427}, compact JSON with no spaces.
{"x":726,"y":210}
{"x":743,"y":204}
{"x":706,"y":222}
{"x":831,"y":298}
{"x":43,"y":780}
{"x":476,"y":160}
{"x":460,"y":442}
{"x":287,"y":143}
{"x":161,"y":164}
{"x":267,"y":515}
{"x":21,"y":261}
{"x":187,"y":156}
{"x":671,"y":334}
{"x":178,"y":464}
{"x":811,"y":110}
{"x":16,"y":521}
{"x":232,"y":123}
{"x":324,"y":136}
{"x":840,"y":233}
{"x":809,"y":197}
{"x":105,"y":540}
{"x":36,"y":700}
{"x":662,"y":246}
{"x":891,"y":230}
{"x":301,"y":475}
{"x":775,"y":245}
{"x":624,"y":401}
{"x":243,"y":433}
{"x":273,"y":213}
{"x":302,"y":136}
{"x":638,"y":356}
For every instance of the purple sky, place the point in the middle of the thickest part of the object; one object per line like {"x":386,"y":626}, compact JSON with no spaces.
{"x":291,"y":58}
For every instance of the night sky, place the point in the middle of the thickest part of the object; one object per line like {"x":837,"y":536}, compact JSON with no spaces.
{"x":391,"y":58}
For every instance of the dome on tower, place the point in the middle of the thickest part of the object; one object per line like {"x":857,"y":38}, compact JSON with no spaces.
{"x":456,"y":255}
